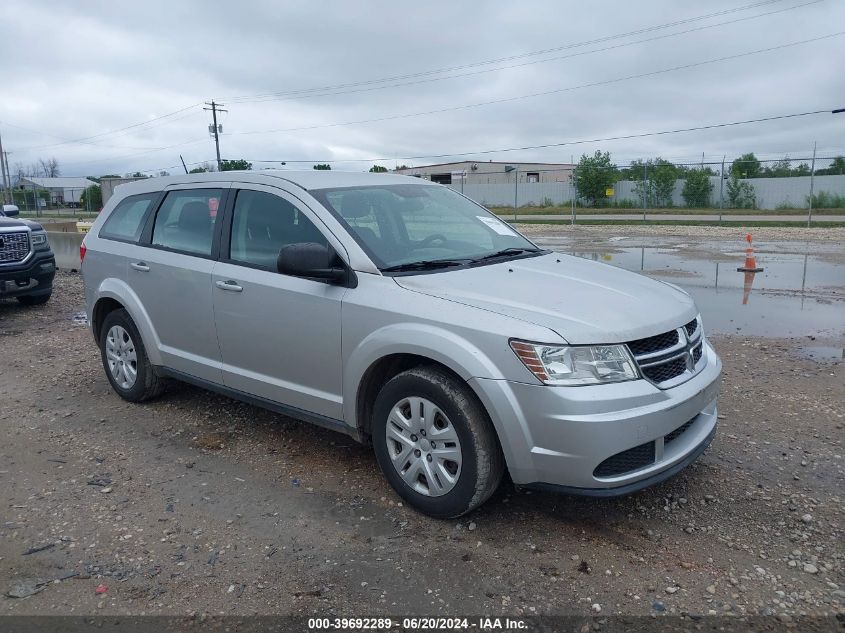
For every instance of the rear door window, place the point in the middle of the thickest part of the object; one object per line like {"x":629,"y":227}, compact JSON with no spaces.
{"x":186,"y":219}
{"x":127,"y":219}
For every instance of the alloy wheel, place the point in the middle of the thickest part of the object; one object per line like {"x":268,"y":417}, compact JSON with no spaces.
{"x":121,"y":357}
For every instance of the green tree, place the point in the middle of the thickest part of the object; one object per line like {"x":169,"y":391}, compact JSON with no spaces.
{"x":593,"y":176}
{"x":378,"y":169}
{"x":323,"y":166}
{"x":803,"y":169}
{"x":741,"y":194}
{"x":746,"y":166}
{"x":837,"y":168}
{"x":235,"y":165}
{"x":665,"y":174}
{"x":661,"y":176}
{"x":697,"y":189}
{"x":92,"y":198}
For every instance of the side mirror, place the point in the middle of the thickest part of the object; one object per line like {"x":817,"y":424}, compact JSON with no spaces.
{"x":312,"y":261}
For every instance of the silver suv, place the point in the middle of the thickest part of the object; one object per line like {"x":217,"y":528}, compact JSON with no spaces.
{"x":401,"y":313}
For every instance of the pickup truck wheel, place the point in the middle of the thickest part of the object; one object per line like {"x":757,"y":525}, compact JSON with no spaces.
{"x":125,"y":359}
{"x":34,"y":301}
{"x":435,"y":443}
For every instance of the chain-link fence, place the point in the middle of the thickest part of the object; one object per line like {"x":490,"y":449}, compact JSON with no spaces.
{"x":67,"y":201}
{"x":710,"y":190}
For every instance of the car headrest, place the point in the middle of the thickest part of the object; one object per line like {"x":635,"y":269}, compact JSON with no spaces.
{"x":194,"y":216}
{"x":355,"y":204}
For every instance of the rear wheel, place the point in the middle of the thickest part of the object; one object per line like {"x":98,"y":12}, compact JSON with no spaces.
{"x":125,"y":360}
{"x":435,"y":443}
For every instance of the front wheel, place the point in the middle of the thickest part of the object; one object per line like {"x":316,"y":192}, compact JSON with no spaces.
{"x":435,"y":443}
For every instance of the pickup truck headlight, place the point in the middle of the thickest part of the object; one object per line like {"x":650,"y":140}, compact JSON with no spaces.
{"x":576,"y":365}
{"x":38,"y":238}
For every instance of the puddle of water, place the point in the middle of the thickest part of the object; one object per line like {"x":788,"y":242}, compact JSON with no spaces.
{"x":795,"y":295}
{"x":823,"y":353}
{"x":80,"y":318}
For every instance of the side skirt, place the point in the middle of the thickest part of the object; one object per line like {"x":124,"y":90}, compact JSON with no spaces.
{"x":293,"y":412}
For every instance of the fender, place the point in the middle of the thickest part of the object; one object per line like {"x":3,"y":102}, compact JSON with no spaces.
{"x":441,"y":345}
{"x":121,"y":292}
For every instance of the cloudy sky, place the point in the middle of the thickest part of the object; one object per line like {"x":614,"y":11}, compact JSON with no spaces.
{"x":113,"y":87}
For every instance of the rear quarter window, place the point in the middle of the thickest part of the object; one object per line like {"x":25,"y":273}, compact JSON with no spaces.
{"x":126,"y":221}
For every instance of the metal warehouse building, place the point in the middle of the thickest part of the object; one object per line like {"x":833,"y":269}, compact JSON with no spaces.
{"x":490,"y":172}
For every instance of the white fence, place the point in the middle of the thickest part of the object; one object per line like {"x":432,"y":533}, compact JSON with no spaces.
{"x":771,"y":193}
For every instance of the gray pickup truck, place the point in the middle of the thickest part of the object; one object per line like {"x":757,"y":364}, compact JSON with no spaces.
{"x":27,"y":263}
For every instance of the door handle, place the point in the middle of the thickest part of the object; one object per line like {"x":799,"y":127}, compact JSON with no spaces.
{"x":230,"y":285}
{"x":140,"y":266}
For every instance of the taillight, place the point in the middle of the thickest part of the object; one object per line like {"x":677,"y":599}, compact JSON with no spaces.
{"x":82,"y":250}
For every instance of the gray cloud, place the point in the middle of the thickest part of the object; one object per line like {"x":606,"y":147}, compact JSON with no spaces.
{"x":75,"y":70}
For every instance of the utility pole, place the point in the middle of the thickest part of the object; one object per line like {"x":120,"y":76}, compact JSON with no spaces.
{"x":722,"y":190}
{"x":6,"y":185}
{"x":9,"y":178}
{"x":215,"y":108}
{"x":812,"y":176}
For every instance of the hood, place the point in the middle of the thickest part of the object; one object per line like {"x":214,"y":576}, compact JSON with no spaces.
{"x":582,"y":301}
{"x":13,"y":223}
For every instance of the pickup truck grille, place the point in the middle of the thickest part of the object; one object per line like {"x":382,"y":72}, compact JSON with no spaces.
{"x":14,"y":246}
{"x":670,"y":358}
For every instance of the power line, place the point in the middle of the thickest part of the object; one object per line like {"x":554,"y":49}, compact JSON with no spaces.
{"x":561,"y":144}
{"x":512,"y":57}
{"x":128,"y":127}
{"x":42,"y":133}
{"x":544,"y":93}
{"x":293,"y":96}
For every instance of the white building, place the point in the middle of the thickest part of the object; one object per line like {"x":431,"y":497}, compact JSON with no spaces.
{"x":490,"y":172}
{"x":63,"y":191}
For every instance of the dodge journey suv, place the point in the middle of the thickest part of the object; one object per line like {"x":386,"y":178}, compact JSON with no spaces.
{"x":403,"y":314}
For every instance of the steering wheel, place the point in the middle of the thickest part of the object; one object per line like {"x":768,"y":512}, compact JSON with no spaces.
{"x":437,"y":237}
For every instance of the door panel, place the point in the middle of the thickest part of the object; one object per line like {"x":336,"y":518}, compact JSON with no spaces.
{"x":175,"y":287}
{"x":175,"y":290}
{"x":279,"y":336}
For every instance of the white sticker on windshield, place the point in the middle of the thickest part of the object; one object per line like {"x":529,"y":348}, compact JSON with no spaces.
{"x":500,"y":227}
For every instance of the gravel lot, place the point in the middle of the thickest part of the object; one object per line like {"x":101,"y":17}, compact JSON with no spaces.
{"x":195,"y":503}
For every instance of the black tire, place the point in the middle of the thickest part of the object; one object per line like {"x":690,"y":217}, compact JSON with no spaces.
{"x":37,"y":300}
{"x":482,"y":462}
{"x":147,"y":384}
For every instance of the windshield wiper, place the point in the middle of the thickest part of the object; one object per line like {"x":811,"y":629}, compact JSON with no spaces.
{"x":506,"y":252}
{"x":426,"y":264}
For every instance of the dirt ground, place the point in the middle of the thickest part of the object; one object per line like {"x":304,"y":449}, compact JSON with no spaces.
{"x":195,"y":503}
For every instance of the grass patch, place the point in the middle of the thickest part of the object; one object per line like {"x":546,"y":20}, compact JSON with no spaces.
{"x":505,"y":211}
{"x":760,"y":223}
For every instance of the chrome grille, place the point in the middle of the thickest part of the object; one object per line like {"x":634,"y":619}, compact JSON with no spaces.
{"x":653,"y":343}
{"x":670,"y":358}
{"x":666,"y":371}
{"x":14,"y":247}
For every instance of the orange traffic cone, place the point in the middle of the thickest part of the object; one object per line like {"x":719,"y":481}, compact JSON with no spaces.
{"x":750,"y":260}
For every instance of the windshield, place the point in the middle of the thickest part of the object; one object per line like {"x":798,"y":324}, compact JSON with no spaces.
{"x":414,"y":227}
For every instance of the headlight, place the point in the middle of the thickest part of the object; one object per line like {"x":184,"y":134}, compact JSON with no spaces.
{"x":576,"y":365}
{"x":38,"y":238}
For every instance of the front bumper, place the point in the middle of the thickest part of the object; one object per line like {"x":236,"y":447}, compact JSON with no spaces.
{"x":34,"y":277}
{"x":557,"y":437}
